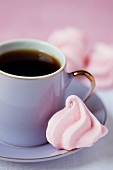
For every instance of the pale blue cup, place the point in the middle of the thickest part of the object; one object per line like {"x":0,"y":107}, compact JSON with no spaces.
{"x":27,"y":103}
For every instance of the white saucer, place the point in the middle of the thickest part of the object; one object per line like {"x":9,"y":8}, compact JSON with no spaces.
{"x":47,"y":151}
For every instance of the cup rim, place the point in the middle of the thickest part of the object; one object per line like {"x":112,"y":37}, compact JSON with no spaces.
{"x":34,"y":77}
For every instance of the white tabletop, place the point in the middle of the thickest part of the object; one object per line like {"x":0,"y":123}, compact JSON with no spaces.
{"x":99,"y":156}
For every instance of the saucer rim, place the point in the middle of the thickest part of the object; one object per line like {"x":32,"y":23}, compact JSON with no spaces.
{"x":13,"y":159}
{"x":39,"y":159}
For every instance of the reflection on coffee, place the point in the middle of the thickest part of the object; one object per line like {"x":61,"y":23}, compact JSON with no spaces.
{"x":28,"y":63}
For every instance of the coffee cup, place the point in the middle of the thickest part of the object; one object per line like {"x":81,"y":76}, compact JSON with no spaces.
{"x":27,"y":101}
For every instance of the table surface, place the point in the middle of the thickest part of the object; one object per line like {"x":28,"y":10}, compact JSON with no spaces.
{"x":37,"y":19}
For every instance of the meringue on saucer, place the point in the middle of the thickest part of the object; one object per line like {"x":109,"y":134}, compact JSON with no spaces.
{"x":74,"y":126}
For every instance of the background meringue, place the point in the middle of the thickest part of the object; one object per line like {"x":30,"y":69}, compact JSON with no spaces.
{"x":73,"y":43}
{"x":100,"y":64}
{"x":98,"y":60}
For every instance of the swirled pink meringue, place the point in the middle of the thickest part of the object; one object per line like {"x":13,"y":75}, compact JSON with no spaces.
{"x":101,"y":65}
{"x":74,"y":126}
{"x":73,"y":43}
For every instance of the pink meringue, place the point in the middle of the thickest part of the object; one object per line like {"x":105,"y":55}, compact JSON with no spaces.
{"x":100,"y":64}
{"x":73,"y":43}
{"x":74,"y":126}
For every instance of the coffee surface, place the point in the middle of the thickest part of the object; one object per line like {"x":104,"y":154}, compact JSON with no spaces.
{"x":28,"y":63}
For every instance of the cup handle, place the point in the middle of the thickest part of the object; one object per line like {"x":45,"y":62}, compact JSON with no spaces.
{"x":90,"y":78}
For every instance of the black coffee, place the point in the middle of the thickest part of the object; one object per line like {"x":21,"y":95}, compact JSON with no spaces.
{"x":28,"y":63}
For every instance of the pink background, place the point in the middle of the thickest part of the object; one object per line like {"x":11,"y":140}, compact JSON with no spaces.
{"x":37,"y":18}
